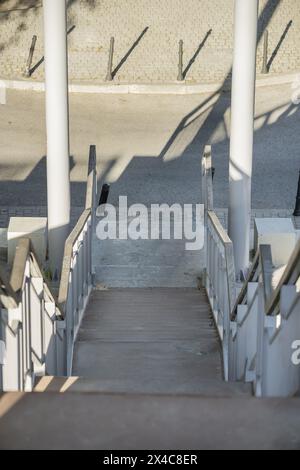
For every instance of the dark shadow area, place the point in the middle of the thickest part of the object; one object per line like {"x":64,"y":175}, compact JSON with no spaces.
{"x":277,"y":48}
{"x":6,"y":6}
{"x":124,"y":59}
{"x":32,"y":191}
{"x":42,"y":59}
{"x":90,"y":3}
{"x":154,"y":180}
{"x":197,"y":52}
{"x":24,"y":7}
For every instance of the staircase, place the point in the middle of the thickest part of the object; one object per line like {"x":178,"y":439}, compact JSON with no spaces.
{"x":147,"y":374}
{"x":150,"y":341}
{"x":145,"y":363}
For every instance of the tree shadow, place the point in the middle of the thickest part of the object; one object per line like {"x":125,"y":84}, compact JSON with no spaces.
{"x":7,"y":6}
{"x":23,"y":7}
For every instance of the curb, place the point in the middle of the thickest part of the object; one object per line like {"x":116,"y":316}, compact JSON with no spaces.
{"x":149,"y":89}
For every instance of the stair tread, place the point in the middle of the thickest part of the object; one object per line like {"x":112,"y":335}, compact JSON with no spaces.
{"x":131,"y":422}
{"x":150,"y":340}
{"x":207,"y":387}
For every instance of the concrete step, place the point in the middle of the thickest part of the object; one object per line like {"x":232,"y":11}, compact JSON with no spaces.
{"x":160,"y":340}
{"x":132,"y":422}
{"x":146,"y":263}
{"x":205,"y":387}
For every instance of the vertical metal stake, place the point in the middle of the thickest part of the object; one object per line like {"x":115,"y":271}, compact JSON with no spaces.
{"x":109,"y":76}
{"x":180,"y":63}
{"x":30,"y":56}
{"x":265,"y":53}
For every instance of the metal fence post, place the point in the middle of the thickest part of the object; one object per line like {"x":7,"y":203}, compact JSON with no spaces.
{"x":30,"y":56}
{"x":109,"y":76}
{"x":180,"y":77}
{"x":264,"y":69}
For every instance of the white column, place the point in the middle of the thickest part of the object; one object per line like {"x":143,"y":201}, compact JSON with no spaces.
{"x":242,"y":122}
{"x":57,"y":123}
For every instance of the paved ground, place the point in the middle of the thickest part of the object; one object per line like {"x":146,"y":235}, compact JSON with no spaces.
{"x":131,"y":422}
{"x":147,"y":33}
{"x":149,"y":147}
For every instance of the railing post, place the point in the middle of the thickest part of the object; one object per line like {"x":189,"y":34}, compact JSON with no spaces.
{"x":264,"y":69}
{"x":109,"y":76}
{"x":259,"y":362}
{"x":180,"y":77}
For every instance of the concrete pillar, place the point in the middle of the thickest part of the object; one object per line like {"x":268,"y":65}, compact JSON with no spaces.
{"x":242,"y":121}
{"x":57,"y":123}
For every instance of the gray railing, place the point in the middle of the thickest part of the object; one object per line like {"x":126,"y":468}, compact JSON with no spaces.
{"x":265,"y":327}
{"x":37,"y":330}
{"x":260,"y":326}
{"x":77,"y":269}
{"x":32,"y":330}
{"x":219,"y":274}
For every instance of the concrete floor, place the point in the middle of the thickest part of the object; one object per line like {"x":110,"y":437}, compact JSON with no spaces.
{"x":149,"y":147}
{"x":132,"y":422}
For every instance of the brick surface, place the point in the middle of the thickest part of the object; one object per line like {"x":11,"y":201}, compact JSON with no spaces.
{"x":155,"y":57}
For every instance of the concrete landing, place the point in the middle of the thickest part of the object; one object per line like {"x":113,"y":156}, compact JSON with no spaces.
{"x":132,"y":422}
{"x":148,"y":262}
{"x":150,"y":341}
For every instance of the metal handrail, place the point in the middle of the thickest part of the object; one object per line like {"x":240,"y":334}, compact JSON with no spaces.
{"x":220,"y":271}
{"x":262,"y":264}
{"x":207,"y":179}
{"x":91,"y":179}
{"x":227,"y":244}
{"x":249,"y":337}
{"x":66,"y":266}
{"x":74,"y":235}
{"x":12,"y":286}
{"x":47,"y":326}
{"x":243,"y":292}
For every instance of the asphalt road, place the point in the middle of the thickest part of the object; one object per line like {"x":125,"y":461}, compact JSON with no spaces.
{"x":149,"y":147}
